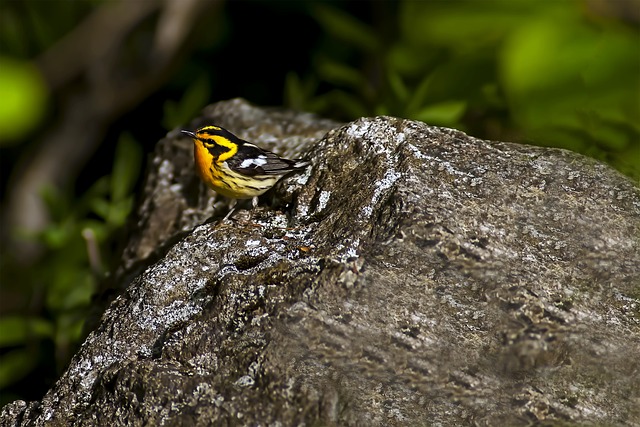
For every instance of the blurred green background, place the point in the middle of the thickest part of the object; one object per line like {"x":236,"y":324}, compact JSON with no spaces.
{"x":88,"y":87}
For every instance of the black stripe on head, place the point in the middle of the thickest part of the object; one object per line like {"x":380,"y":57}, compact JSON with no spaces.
{"x":208,"y":131}
{"x":216,"y":150}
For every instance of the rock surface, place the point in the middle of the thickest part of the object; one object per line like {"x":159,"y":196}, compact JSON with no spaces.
{"x":413,"y":276}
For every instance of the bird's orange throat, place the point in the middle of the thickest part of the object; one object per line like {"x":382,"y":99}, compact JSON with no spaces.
{"x":203,"y":160}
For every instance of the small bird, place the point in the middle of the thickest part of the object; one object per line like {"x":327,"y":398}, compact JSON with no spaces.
{"x":236,"y":168}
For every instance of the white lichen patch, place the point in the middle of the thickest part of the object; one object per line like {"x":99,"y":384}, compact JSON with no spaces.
{"x":417,"y":153}
{"x":245,"y":381}
{"x":573,"y":175}
{"x":202,"y":364}
{"x":451,"y":170}
{"x":476,"y":181}
{"x":88,"y":368}
{"x":446,"y":166}
{"x":358,"y":130}
{"x":390,"y":178}
{"x":350,"y":251}
{"x":452,"y":302}
{"x":252,"y":243}
{"x":275,"y":221}
{"x":323,"y":200}
{"x":543,"y":167}
{"x":302,"y":210}
{"x":301,"y":178}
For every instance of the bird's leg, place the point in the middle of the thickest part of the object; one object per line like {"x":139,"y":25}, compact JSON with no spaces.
{"x":254,"y":202}
{"x":232,"y":209}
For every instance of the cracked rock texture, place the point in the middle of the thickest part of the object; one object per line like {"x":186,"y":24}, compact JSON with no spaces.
{"x":413,"y":276}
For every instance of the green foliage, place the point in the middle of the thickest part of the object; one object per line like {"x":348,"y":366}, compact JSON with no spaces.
{"x":77,"y":246}
{"x":24,"y":99}
{"x":16,"y":330}
{"x":541,"y":72}
{"x":15,"y":365}
{"x":345,"y":28}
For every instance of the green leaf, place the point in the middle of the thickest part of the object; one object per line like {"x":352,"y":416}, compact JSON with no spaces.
{"x":398,"y":86}
{"x":57,"y":205}
{"x":24,"y":98}
{"x":99,"y":189}
{"x":69,"y":327}
{"x":411,"y":60}
{"x":71,"y":288}
{"x":126,"y":167}
{"x":194,"y":99}
{"x":15,"y":365}
{"x":381,"y":110}
{"x":297,"y":92}
{"x":345,"y":27}
{"x":16,"y":330}
{"x":340,"y":74}
{"x":419,"y":96}
{"x":119,"y":211}
{"x":344,"y":103}
{"x":56,"y":235}
{"x":294,"y":95}
{"x":446,"y":113}
{"x":101,"y":207}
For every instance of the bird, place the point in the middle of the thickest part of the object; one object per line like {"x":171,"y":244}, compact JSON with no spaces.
{"x":236,"y":168}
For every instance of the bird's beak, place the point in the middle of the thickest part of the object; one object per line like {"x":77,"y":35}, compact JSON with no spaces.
{"x":188,"y":133}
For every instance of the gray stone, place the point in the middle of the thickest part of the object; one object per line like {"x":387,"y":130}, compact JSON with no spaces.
{"x":413,"y":276}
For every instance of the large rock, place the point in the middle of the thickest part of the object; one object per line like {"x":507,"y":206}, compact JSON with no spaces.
{"x":413,"y":276}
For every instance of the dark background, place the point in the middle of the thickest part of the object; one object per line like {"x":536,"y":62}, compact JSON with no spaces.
{"x":88,"y":87}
